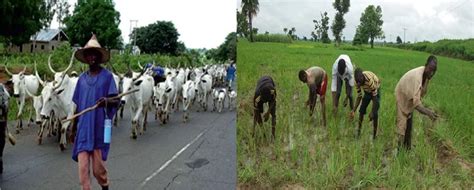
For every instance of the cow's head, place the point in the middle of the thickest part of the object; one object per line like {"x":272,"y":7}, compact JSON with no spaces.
{"x":17,"y":79}
{"x":129,"y":84}
{"x":159,"y":93}
{"x":188,"y":90}
{"x":50,"y":95}
{"x":221,"y":95}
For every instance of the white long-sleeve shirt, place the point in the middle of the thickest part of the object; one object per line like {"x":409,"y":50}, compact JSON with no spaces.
{"x":348,"y":74}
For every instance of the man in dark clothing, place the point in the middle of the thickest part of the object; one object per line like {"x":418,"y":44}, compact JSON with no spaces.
{"x":265,"y":93}
{"x":158,"y":73}
{"x":4,"y":96}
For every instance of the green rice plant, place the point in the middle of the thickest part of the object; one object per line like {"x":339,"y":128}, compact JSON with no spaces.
{"x":317,"y":157}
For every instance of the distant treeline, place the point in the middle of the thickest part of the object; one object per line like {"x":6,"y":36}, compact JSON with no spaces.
{"x":61,"y":57}
{"x":462,"y":49}
{"x":280,"y":38}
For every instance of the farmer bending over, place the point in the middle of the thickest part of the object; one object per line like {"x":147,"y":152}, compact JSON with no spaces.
{"x":317,"y":80}
{"x":408,"y":92}
{"x":370,"y":83}
{"x":265,"y":93}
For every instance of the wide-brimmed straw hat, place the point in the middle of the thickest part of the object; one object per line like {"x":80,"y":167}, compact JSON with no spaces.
{"x":94,"y":45}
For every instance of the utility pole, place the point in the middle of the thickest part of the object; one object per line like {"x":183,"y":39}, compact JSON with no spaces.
{"x":131,"y":30}
{"x":404,"y":29}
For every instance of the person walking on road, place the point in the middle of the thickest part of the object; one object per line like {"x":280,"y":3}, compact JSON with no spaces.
{"x":93,"y":87}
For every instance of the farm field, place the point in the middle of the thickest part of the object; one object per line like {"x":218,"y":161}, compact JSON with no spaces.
{"x":305,"y":154}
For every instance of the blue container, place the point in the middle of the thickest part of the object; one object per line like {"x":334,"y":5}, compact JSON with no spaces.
{"x":107,"y":130}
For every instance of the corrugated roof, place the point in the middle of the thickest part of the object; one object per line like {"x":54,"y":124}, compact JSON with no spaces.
{"x":47,"y":35}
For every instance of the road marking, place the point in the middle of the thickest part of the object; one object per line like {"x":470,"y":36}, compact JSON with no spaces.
{"x":172,"y":158}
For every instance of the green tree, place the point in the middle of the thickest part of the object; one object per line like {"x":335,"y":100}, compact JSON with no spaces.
{"x":62,"y":11}
{"x":342,"y":7}
{"x":371,"y":24}
{"x":228,"y":49}
{"x":21,"y":19}
{"x":360,"y":37}
{"x":321,"y":27}
{"x":159,"y":37}
{"x":314,"y":36}
{"x":242,"y":24}
{"x":250,"y":8}
{"x":399,"y":40}
{"x":181,"y":48}
{"x":292,"y":33}
{"x":98,"y":17}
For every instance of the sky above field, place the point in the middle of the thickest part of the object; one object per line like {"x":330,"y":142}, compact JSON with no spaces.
{"x":201,"y":24}
{"x":429,"y":20}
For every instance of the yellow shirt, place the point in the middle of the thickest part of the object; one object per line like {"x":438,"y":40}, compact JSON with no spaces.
{"x":371,"y":84}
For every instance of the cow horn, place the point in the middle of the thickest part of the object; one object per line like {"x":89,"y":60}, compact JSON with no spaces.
{"x":70,"y":62}
{"x":6,"y":69}
{"x":38,"y":77}
{"x":139,"y":65}
{"x":49,"y":64}
{"x":24,"y":69}
{"x":112,"y":67}
{"x":141,"y":74}
{"x":59,"y":84}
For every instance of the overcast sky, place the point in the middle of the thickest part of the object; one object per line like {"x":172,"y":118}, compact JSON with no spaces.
{"x":430,"y":20}
{"x":200,"y":23}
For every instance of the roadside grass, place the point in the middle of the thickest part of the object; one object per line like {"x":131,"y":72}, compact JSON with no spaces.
{"x":331,"y":157}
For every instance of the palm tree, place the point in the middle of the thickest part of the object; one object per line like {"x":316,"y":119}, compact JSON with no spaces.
{"x":250,"y":7}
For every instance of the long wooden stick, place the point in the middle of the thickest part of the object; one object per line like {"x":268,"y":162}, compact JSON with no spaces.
{"x":10,"y":137}
{"x":97,"y":105}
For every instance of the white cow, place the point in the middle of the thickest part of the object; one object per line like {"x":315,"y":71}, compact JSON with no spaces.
{"x":221,"y":99}
{"x":58,"y":99}
{"x":139,"y":102}
{"x":232,"y":99}
{"x":204,"y":84}
{"x":21,"y":82}
{"x":178,"y":82}
{"x":48,"y":122}
{"x":165,"y":92}
{"x":218,"y":98}
{"x":189,"y":93}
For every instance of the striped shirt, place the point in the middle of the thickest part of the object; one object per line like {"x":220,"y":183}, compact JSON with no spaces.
{"x":371,"y":84}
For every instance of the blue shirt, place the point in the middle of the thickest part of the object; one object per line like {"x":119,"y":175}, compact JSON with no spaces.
{"x":158,"y":71}
{"x":231,"y":73}
{"x":90,"y":128}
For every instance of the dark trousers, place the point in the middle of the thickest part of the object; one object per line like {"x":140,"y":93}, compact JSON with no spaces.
{"x":3,"y":125}
{"x":348,"y":92}
{"x":365,"y":103}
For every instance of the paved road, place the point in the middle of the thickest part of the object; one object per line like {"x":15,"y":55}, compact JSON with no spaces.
{"x":200,"y":154}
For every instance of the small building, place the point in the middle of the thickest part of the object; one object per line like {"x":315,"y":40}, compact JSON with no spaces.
{"x":46,"y":40}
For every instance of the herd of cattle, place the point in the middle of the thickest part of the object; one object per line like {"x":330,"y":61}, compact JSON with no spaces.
{"x":206,"y":85}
